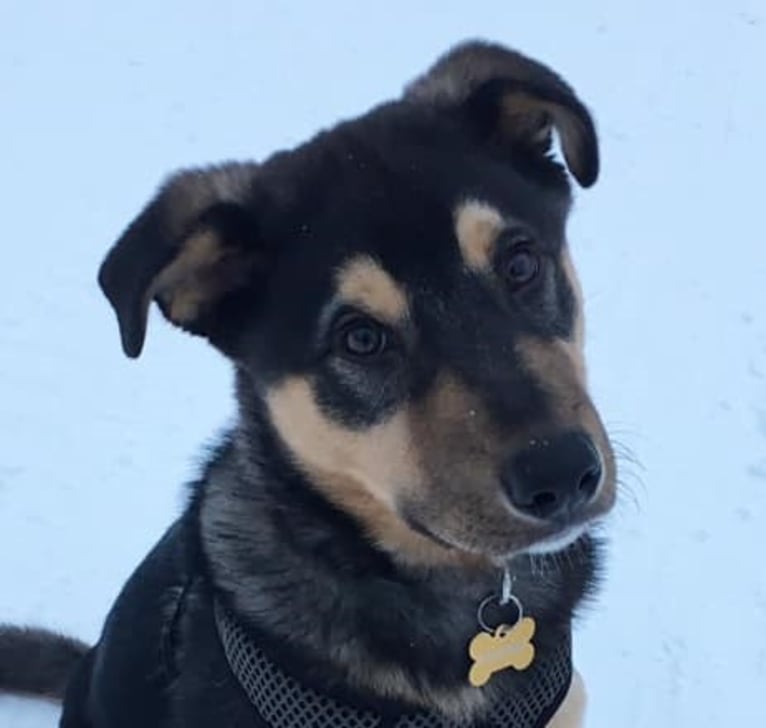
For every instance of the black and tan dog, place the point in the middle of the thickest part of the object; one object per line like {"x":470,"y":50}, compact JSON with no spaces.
{"x":416,"y":458}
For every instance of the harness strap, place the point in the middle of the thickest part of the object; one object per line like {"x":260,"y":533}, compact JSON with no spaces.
{"x":283,"y":702}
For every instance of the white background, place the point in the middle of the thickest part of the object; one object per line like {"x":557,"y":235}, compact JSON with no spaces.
{"x":98,"y":101}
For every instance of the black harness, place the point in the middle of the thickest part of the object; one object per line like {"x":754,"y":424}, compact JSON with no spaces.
{"x":283,"y":702}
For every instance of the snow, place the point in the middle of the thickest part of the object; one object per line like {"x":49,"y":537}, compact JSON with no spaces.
{"x":101,"y":100}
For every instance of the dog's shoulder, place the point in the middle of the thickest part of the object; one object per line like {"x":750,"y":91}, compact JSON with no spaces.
{"x":158,"y":658}
{"x":126,"y":679}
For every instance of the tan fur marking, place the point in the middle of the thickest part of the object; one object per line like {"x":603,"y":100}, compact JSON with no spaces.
{"x":362,"y":282}
{"x":361,"y":472}
{"x":578,"y":341}
{"x":574,"y":281}
{"x":177,"y":283}
{"x":202,"y":272}
{"x":462,"y":449}
{"x":477,"y":226}
{"x":557,"y":367}
{"x":571,"y":713}
{"x":528,"y":117}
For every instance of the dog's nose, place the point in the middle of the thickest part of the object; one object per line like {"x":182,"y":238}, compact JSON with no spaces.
{"x":554,"y":476}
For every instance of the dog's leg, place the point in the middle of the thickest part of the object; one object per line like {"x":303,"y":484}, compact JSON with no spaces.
{"x":571,"y":713}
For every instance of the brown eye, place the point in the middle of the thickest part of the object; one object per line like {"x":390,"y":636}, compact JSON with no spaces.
{"x":363,"y":339}
{"x":521,"y":266}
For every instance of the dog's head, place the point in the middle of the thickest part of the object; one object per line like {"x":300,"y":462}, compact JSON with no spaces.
{"x":399,"y":295}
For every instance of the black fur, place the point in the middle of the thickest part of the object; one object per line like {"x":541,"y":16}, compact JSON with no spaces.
{"x":248,"y":257}
{"x":37,"y":661}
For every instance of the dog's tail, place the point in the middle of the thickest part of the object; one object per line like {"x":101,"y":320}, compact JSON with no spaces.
{"x":37,"y":662}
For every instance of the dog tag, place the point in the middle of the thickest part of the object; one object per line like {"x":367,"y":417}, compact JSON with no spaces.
{"x":496,"y":651}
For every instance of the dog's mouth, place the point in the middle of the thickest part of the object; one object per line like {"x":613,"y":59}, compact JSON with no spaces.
{"x":550,"y":539}
{"x":559,"y":541}
{"x":420,"y":528}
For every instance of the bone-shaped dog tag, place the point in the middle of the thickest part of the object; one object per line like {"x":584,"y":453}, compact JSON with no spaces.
{"x":506,"y":647}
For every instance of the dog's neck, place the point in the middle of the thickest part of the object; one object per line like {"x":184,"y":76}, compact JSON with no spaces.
{"x":302,"y":572}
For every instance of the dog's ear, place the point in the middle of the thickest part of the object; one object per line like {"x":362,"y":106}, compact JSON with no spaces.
{"x":513,"y":99}
{"x":193,"y":246}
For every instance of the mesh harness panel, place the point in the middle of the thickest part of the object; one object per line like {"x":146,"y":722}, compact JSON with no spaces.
{"x":282,"y":702}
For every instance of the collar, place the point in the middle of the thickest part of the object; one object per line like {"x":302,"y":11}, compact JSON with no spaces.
{"x":283,"y":702}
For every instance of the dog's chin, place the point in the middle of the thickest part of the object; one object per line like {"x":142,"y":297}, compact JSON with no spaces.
{"x":546,"y":543}
{"x":557,"y":542}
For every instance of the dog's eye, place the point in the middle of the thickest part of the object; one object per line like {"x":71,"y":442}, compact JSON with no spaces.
{"x":362,"y":338}
{"x":521,"y":265}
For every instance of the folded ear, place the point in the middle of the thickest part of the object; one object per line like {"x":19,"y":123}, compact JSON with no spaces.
{"x":514,"y":99}
{"x":192,"y":246}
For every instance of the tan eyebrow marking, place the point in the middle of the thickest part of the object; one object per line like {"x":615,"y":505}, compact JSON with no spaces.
{"x":363,"y":282}
{"x":477,"y":226}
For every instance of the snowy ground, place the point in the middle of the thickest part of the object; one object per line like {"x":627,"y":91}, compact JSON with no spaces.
{"x":100,"y":100}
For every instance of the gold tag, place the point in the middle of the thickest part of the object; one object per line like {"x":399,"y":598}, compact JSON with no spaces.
{"x":507,"y":647}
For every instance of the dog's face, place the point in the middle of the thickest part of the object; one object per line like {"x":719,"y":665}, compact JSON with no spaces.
{"x":399,"y":295}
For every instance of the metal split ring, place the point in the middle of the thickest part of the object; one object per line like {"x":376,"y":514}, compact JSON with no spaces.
{"x":509,"y":599}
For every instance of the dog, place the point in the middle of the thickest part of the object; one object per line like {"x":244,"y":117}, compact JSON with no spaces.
{"x":397,"y":531}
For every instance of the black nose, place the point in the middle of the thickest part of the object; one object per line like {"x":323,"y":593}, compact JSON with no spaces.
{"x":553,"y":476}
